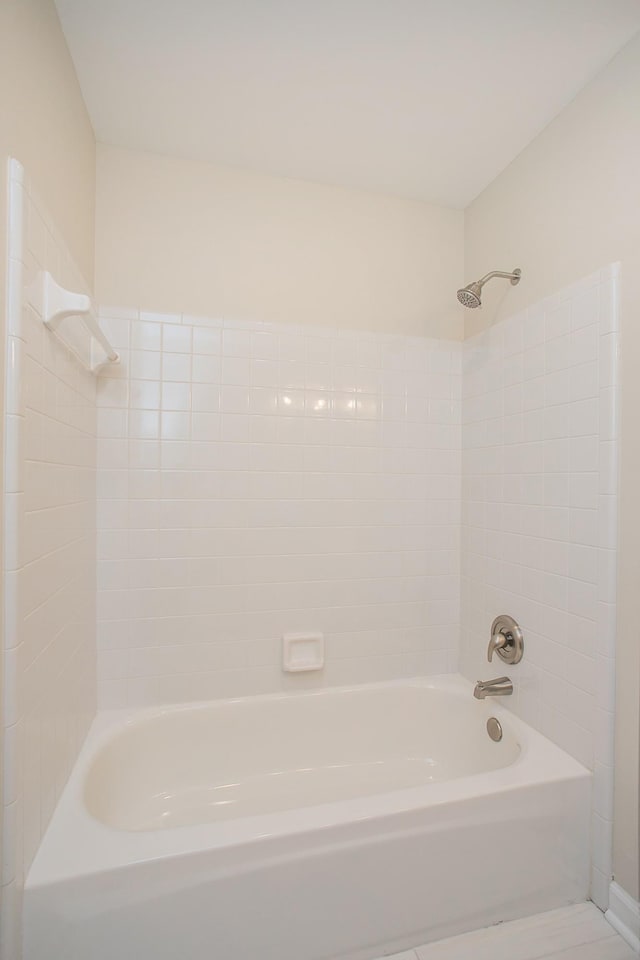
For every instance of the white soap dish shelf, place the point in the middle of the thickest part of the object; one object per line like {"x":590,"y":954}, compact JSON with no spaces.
{"x":302,"y":652}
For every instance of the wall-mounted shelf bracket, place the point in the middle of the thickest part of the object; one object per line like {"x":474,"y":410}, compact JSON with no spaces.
{"x":58,"y":304}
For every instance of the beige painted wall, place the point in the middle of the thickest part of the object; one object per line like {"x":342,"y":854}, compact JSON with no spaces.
{"x":567,"y":205}
{"x":178,"y":236}
{"x":45,"y":124}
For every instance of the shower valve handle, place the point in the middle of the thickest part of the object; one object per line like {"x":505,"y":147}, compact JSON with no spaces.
{"x":498,"y":642}
{"x":506,"y":640}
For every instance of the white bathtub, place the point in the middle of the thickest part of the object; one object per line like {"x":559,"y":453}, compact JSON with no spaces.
{"x":344,"y":823}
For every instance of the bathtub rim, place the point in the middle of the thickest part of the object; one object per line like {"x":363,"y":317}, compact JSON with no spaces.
{"x":76,"y":844}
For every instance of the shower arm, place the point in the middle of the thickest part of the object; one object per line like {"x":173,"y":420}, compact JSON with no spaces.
{"x":514,"y":276}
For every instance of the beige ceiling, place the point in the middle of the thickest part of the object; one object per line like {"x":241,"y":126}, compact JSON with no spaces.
{"x":423,"y":98}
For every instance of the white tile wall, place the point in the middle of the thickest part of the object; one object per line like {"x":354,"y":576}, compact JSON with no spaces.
{"x":259,"y":479}
{"x":539,"y":520}
{"x":49,"y":550}
{"x":256,"y":480}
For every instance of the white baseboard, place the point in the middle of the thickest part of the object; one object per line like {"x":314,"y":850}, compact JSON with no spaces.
{"x":624,"y":915}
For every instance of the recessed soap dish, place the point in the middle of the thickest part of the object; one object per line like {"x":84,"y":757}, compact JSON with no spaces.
{"x":302,"y":652}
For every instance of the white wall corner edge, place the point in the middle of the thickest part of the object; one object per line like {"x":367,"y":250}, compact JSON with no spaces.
{"x":624,"y":915}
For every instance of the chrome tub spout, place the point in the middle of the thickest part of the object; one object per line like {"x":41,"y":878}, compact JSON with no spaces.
{"x":501,"y":687}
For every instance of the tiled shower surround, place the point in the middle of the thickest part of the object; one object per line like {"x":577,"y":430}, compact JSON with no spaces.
{"x":257,"y":479}
{"x":49,"y":547}
{"x":539,"y":523}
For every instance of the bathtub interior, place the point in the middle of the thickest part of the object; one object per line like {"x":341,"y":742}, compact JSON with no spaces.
{"x":213,"y":762}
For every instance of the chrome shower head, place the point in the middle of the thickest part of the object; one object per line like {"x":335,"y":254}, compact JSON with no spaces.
{"x":470,"y":296}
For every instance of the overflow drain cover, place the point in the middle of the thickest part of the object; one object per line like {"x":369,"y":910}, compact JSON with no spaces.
{"x":494,"y":729}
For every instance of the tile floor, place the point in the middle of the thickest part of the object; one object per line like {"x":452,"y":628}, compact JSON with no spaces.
{"x":571,"y":933}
